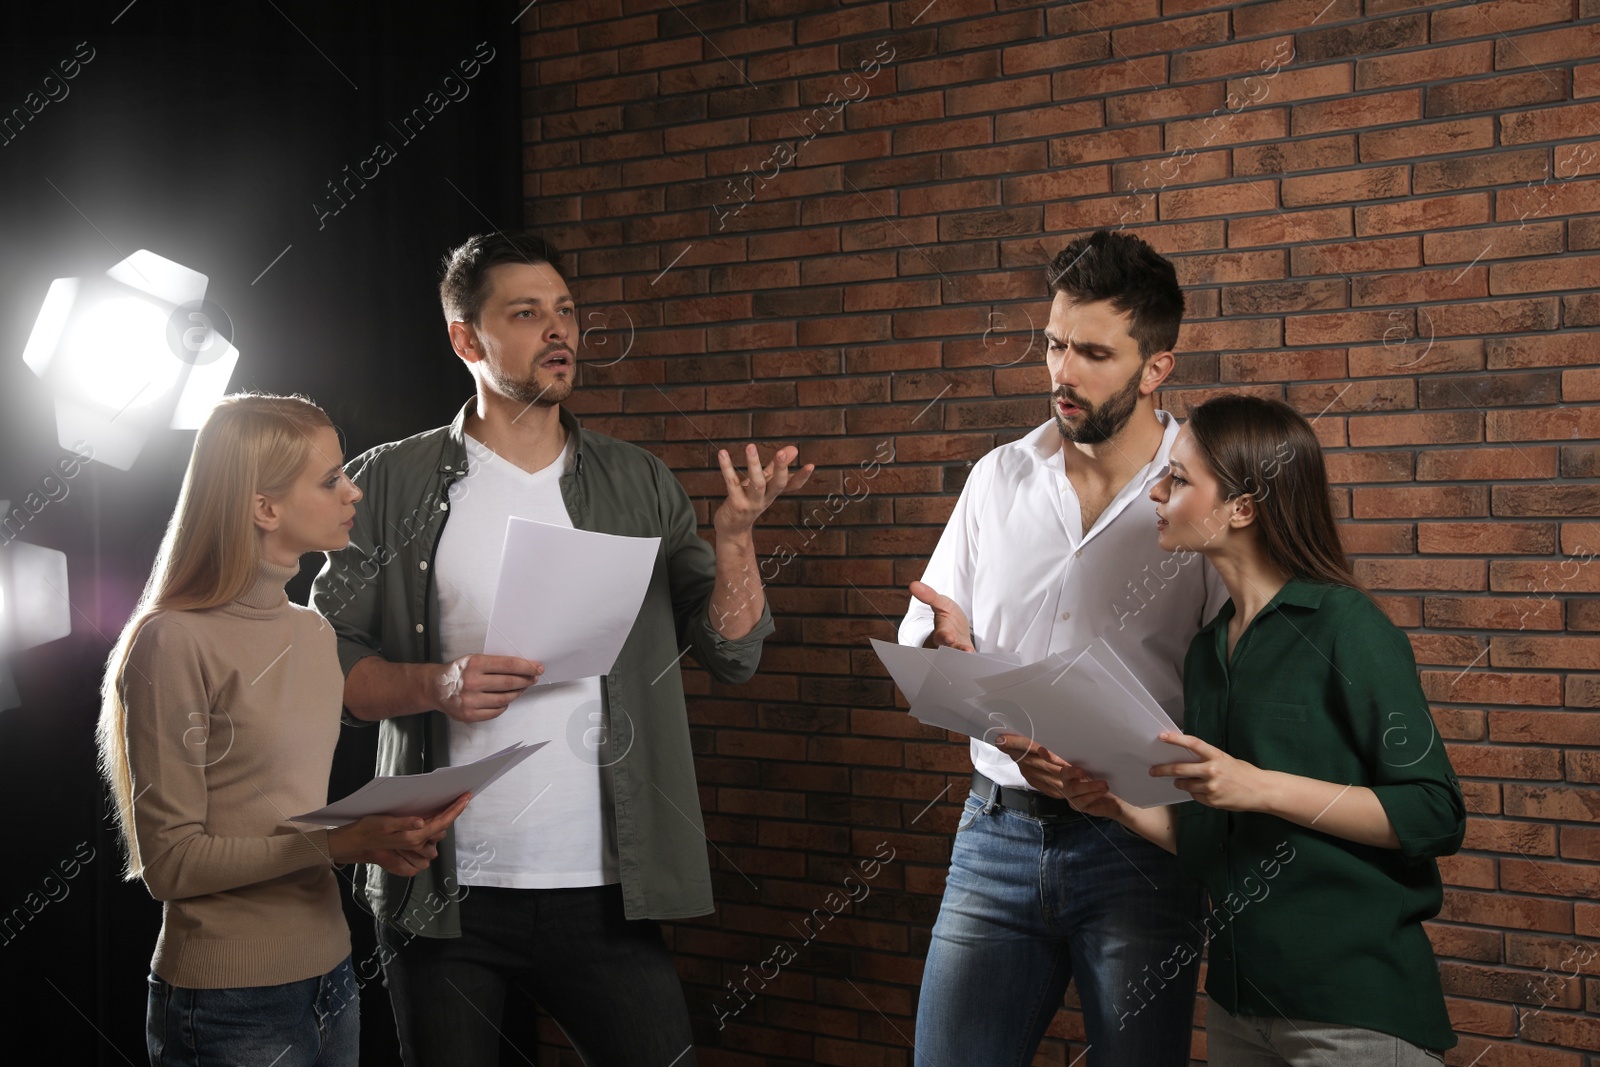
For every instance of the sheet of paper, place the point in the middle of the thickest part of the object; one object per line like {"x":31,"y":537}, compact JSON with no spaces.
{"x":420,"y":794}
{"x":908,"y":665}
{"x":1086,"y":713}
{"x":953,"y":677}
{"x":567,"y":598}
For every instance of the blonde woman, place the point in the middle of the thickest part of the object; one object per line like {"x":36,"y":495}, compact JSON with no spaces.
{"x":220,"y":710}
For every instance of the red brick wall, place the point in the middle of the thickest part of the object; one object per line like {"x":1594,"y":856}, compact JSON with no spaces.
{"x":1379,"y":214}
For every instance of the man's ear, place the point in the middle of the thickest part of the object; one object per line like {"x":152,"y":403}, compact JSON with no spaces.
{"x":1157,"y":369}
{"x":266,"y":513}
{"x":464,"y":339}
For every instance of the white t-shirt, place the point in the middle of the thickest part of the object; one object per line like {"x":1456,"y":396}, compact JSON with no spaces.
{"x":545,"y":824}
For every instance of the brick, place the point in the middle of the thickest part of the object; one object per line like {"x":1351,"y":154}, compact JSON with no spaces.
{"x":1435,"y":64}
{"x":1579,"y":385}
{"x":1315,"y":153}
{"x":1566,"y":272}
{"x":1567,"y":349}
{"x":1421,"y":287}
{"x":1482,"y":392}
{"x":1355,"y":256}
{"x":1549,"y":47}
{"x":1498,"y":538}
{"x":1200,"y":63}
{"x":1287,"y":297}
{"x":1056,"y":53}
{"x":1290,"y":15}
{"x":1494,"y":17}
{"x":1290,"y":227}
{"x":1495,"y":94}
{"x":1491,"y":243}
{"x":1427,"y":139}
{"x":1172,"y":35}
{"x":1341,"y":326}
{"x":1562,"y":424}
{"x":1287,"y":86}
{"x":1384,"y":394}
{"x":1470,"y":172}
{"x":1497,"y":316}
{"x":1227,"y":128}
{"x":998,"y":30}
{"x":1357,"y":112}
{"x":1047,"y":121}
{"x":1235,"y":197}
{"x":1488,"y":613}
{"x":1546,"y":124}
{"x":1423,"y":213}
{"x":1365,"y":38}
{"x":1347,"y":468}
{"x":1415,"y":355}
{"x":1568,"y":501}
{"x":1486,"y":464}
{"x":1124,"y":76}
{"x":1108,"y":144}
{"x":998,"y":96}
{"x":1454,"y":427}
{"x":1373,"y":183}
{"x":1426,"y":574}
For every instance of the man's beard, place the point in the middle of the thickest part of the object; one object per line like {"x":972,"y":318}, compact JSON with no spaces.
{"x":1099,"y":424}
{"x":529,"y":391}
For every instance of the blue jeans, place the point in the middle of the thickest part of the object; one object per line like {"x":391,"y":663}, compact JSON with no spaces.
{"x":315,"y":1022}
{"x":608,"y":981}
{"x":1032,"y":903}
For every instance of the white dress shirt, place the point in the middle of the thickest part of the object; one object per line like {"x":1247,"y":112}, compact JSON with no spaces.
{"x":1015,"y":556}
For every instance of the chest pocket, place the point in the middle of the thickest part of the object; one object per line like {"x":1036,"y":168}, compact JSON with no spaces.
{"x":1268,"y":733}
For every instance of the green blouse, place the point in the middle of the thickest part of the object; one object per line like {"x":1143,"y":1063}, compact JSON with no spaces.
{"x":1304,"y":925}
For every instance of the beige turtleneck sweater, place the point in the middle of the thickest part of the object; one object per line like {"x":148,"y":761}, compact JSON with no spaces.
{"x":232,"y":716}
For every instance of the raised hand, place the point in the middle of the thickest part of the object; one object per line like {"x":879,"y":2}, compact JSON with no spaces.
{"x":950,"y":625}
{"x":753,"y":492}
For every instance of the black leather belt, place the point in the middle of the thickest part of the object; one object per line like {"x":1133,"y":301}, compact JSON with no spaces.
{"x":1027,"y":801}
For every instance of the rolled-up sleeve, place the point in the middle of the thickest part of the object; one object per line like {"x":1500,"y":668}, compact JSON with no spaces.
{"x":692,"y":576}
{"x":1390,"y":720}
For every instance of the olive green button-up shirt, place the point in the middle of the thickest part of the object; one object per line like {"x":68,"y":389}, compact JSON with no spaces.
{"x":1305,"y":925}
{"x":380,"y":598}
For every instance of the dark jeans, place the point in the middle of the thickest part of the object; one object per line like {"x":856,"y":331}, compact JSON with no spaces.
{"x":1033,"y":903}
{"x":315,"y":1022}
{"x":607,"y":981}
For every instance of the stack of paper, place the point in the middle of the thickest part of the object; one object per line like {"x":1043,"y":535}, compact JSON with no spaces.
{"x":1084,"y":706}
{"x":420,"y":794}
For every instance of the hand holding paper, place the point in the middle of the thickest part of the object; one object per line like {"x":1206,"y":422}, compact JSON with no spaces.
{"x":567,"y":598}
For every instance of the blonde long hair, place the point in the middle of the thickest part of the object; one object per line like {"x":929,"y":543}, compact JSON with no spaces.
{"x":211,"y":553}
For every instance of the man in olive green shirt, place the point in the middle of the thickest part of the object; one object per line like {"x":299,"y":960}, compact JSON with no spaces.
{"x":561,"y":893}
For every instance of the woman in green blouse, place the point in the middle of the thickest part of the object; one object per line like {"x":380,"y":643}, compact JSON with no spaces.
{"x":1321,"y":790}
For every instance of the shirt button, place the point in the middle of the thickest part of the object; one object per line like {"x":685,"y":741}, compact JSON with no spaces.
{"x":1065,"y":615}
{"x":443,"y":506}
{"x":419,"y":627}
{"x":1078,"y":553}
{"x":423,"y":565}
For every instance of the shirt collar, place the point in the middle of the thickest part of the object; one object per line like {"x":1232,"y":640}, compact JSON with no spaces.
{"x":1046,"y":443}
{"x":1296,"y":591}
{"x":454,"y":458}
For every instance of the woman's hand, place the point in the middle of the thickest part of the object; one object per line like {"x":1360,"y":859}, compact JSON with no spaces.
{"x":1218,"y":780}
{"x":400,"y":844}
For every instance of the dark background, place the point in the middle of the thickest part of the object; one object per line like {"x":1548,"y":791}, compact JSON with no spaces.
{"x":204,"y":133}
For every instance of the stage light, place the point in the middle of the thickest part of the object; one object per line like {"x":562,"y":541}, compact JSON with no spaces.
{"x":33,"y":603}
{"x":136,"y":351}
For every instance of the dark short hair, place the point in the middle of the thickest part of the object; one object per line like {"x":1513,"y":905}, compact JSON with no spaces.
{"x":464,"y":283}
{"x":1126,"y":271}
